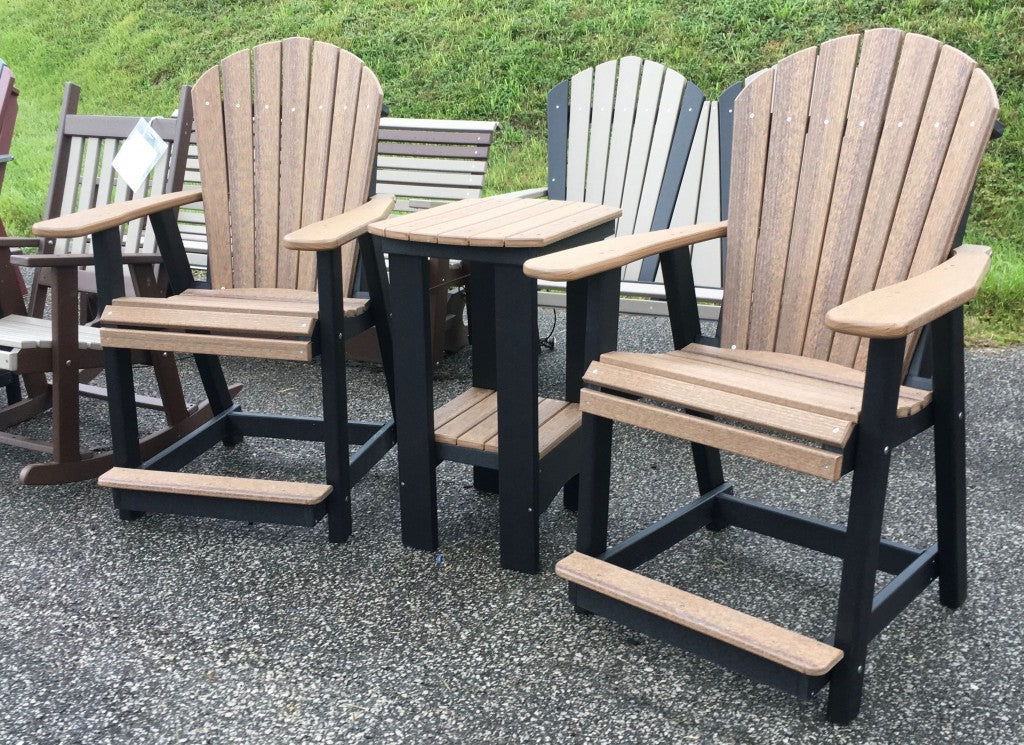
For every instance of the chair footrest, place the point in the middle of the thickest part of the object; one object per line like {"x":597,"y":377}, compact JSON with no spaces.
{"x":754,"y":635}
{"x":224,"y":487}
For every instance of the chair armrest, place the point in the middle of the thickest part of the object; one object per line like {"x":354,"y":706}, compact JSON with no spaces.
{"x":539,"y":191}
{"x":340,"y":229}
{"x":594,"y":258}
{"x":112,"y":215}
{"x":897,"y":310}
{"x":15,"y":241}
{"x":60,"y":260}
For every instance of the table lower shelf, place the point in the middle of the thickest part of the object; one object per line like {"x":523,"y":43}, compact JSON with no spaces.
{"x":470,"y":420}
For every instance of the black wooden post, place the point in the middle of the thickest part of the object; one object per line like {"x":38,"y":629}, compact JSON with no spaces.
{"x":950,"y":456}
{"x":864,"y":525}
{"x":331,"y":324}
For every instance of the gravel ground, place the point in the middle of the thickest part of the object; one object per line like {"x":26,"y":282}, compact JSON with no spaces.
{"x":172,"y":629}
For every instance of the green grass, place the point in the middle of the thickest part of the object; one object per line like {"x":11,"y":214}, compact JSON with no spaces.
{"x":497,"y":60}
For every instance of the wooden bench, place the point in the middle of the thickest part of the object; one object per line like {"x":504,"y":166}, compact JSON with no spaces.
{"x":423,"y":163}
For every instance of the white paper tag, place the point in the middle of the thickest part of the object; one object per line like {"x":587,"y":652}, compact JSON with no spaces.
{"x":141,"y":151}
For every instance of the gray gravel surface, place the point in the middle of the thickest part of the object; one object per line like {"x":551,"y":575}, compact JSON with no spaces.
{"x":173,"y":629}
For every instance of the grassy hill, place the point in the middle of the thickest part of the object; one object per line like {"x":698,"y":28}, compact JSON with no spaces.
{"x":496,"y":60}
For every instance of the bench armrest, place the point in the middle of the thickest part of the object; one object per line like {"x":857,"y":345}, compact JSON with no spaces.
{"x":340,"y":229}
{"x":584,"y":261}
{"x":15,"y":241}
{"x":895,"y":311}
{"x":97,"y":219}
{"x":59,"y":260}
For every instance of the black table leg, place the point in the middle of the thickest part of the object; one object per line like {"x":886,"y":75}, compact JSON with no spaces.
{"x":484,"y":346}
{"x":414,"y":401}
{"x":518,"y":463}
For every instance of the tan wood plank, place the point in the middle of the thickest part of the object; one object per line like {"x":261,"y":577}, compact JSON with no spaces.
{"x":343,"y":120}
{"x":941,"y":110}
{"x":209,"y":124}
{"x":558,"y":428}
{"x":398,"y":226}
{"x":332,"y":232}
{"x":871,"y":85}
{"x":454,"y":428}
{"x":651,"y":78}
{"x":757,"y":636}
{"x":364,"y":150}
{"x":456,"y":222}
{"x":254,"y":324}
{"x":485,"y":435}
{"x":794,"y":77}
{"x":830,"y":98}
{"x":563,"y":227}
{"x":495,"y":229}
{"x":224,"y":487}
{"x":785,"y":388}
{"x":795,"y":421}
{"x":236,"y":77}
{"x":895,"y":310}
{"x":795,"y":456}
{"x":902,"y":119}
{"x":260,"y":293}
{"x":557,"y":211}
{"x":295,"y":54}
{"x":661,"y":140}
{"x":322,"y":82}
{"x":110,"y":215}
{"x":583,"y":261}
{"x":459,"y":404}
{"x":231,"y":346}
{"x":749,"y":152}
{"x":267,"y":129}
{"x":221,"y":304}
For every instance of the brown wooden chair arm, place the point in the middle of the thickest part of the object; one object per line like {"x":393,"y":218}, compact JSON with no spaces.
{"x":594,"y":258}
{"x":112,"y":215}
{"x":60,"y":260}
{"x":23,"y":241}
{"x":340,"y":229}
{"x":897,"y":310}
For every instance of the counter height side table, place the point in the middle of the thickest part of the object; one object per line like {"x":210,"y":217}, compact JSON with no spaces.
{"x":539,"y":437}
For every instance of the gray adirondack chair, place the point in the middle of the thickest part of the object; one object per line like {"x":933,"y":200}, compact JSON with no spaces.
{"x":852,"y":165}
{"x":635,"y":134}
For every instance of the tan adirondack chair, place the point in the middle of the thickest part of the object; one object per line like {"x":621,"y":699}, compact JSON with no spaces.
{"x":66,"y":345}
{"x":286,"y":135}
{"x":852,"y":163}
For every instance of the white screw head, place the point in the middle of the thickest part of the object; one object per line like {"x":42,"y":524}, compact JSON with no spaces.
{"x":789,"y":118}
{"x":827,"y":121}
{"x":861,"y":123}
{"x":886,"y":450}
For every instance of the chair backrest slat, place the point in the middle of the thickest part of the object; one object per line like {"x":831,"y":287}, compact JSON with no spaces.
{"x":830,"y":96}
{"x":667,"y":115}
{"x":915,"y":123}
{"x":286,"y":137}
{"x":627,"y":88}
{"x":600,"y":131}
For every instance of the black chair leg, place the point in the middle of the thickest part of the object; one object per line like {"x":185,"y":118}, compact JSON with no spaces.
{"x":335,"y":395}
{"x":864,"y":527}
{"x":950,"y":457}
{"x":595,"y":485}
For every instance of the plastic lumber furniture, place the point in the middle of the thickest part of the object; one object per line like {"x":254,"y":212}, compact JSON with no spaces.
{"x":423,"y":163}
{"x":852,"y":164}
{"x":286,"y":132}
{"x":66,"y":345}
{"x":522,"y":447}
{"x":8,"y":114}
{"x":635,"y":134}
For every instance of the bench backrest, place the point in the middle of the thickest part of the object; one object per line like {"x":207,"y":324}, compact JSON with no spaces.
{"x":637,"y":135}
{"x":423,"y":162}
